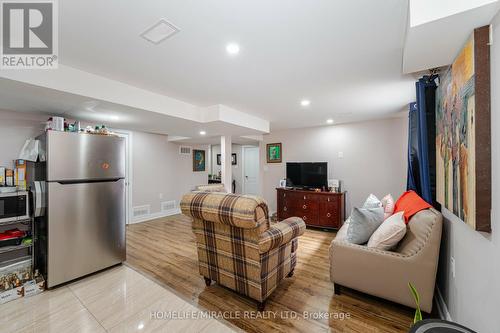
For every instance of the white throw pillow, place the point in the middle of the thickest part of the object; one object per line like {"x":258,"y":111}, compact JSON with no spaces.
{"x":388,"y":204}
{"x":342,"y":233}
{"x":390,"y":232}
{"x":372,"y":202}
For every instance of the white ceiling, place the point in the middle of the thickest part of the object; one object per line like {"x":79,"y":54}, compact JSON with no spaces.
{"x":30,"y":99}
{"x":344,"y":56}
{"x":445,"y":23}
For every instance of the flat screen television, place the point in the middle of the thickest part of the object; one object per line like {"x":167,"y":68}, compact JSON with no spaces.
{"x":307,"y":174}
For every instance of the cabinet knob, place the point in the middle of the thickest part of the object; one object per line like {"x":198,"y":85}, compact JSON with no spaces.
{"x":305,"y":206}
{"x":284,"y":209}
{"x":328,"y":199}
{"x":304,"y":218}
{"x":284,"y":195}
{"x":328,"y":215}
{"x":304,"y":197}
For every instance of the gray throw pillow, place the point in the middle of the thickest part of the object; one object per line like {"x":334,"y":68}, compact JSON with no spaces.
{"x":364,"y":222}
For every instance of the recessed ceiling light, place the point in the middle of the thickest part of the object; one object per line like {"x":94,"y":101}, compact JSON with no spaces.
{"x":160,"y":31}
{"x":233,"y":48}
{"x":203,"y":132}
{"x":114,"y":117}
{"x":329,"y":121}
{"x":305,"y":102}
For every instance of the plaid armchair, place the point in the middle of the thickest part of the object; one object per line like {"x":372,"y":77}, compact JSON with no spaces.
{"x":211,"y":188}
{"x":237,"y":246}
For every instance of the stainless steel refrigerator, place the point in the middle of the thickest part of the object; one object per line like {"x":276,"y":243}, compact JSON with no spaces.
{"x":85,"y":215}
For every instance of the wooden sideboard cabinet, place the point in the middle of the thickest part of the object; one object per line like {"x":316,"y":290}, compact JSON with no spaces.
{"x":317,"y":209}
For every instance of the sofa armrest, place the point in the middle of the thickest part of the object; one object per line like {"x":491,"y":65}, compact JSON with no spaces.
{"x":281,"y":233}
{"x":383,"y":273}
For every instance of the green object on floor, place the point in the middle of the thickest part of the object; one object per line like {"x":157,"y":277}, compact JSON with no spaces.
{"x":418,"y":313}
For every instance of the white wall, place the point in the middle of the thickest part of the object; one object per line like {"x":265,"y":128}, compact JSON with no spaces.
{"x":237,"y":170}
{"x":374,"y":157}
{"x":15,"y":128}
{"x":160,"y":173}
{"x":473,"y":296}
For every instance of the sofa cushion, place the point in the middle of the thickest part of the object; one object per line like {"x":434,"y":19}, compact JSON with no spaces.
{"x":388,"y":204}
{"x":418,"y":231}
{"x":410,"y":203}
{"x":342,"y":233}
{"x":364,"y":221}
{"x":390,"y":232}
{"x":372,"y":202}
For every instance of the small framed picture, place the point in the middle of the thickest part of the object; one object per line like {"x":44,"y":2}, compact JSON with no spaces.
{"x":274,"y":152}
{"x":198,"y":160}
{"x":234,"y":160}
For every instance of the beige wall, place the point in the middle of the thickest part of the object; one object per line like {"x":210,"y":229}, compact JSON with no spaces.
{"x":472,"y":296}
{"x":374,"y":157}
{"x":159,"y":170}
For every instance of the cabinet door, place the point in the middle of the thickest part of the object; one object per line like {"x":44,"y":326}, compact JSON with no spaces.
{"x":329,"y":212}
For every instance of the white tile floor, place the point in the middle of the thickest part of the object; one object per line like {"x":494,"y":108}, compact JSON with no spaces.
{"x":116,"y":300}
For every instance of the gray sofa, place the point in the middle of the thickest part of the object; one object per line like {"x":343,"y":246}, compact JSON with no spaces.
{"x":386,"y":273}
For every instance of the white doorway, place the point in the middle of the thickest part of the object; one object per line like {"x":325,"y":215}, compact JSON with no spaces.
{"x":250,"y":170}
{"x":127,"y":135}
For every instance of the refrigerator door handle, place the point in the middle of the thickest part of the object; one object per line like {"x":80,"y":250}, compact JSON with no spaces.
{"x":88,"y":181}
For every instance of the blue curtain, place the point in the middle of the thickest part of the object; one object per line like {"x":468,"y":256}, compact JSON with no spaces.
{"x":421,"y":140}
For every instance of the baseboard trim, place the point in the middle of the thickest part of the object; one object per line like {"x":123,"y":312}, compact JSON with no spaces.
{"x":442,"y":308}
{"x":158,"y":215}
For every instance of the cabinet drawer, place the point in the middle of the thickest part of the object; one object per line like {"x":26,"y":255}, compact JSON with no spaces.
{"x":329,"y":214}
{"x":310,"y":218}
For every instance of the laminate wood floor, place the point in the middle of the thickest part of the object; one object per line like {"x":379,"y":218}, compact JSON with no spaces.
{"x":165,"y":250}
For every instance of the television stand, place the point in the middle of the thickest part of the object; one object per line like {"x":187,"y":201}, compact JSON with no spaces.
{"x":317,"y":209}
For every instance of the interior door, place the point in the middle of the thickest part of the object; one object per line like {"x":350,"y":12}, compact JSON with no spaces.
{"x":251,"y":170}
{"x":86,"y":228}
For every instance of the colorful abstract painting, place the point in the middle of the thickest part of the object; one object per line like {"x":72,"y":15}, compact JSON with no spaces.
{"x":198,"y":160}
{"x":457,"y":136}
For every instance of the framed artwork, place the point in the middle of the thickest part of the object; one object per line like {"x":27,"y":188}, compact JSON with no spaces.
{"x":463,"y":134}
{"x":198,"y":160}
{"x":274,"y":152}
{"x":234,"y":160}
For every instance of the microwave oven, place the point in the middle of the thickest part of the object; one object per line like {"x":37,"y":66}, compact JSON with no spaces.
{"x":14,"y":206}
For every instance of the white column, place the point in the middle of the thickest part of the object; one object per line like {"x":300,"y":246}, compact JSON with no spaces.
{"x":226,"y":170}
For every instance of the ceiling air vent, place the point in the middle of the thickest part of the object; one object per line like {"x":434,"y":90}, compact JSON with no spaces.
{"x":159,"y":32}
{"x":185,"y":150}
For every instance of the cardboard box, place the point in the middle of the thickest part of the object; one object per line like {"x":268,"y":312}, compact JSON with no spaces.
{"x":9,"y":177}
{"x":32,"y":288}
{"x":20,"y":174}
{"x":2,"y":176}
{"x":11,"y":294}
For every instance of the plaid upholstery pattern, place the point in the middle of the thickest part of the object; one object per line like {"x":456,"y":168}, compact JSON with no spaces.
{"x":281,"y":232}
{"x":236,"y":245}
{"x":211,"y":188}
{"x":243,"y":211}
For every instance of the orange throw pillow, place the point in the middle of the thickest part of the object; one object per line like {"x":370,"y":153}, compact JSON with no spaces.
{"x":410,"y":203}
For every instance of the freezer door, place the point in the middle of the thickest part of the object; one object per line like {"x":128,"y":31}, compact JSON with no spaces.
{"x":86,"y":228}
{"x":73,"y":156}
